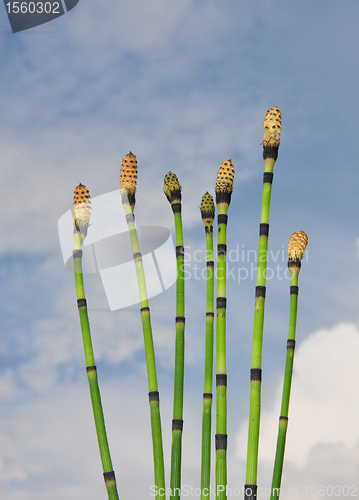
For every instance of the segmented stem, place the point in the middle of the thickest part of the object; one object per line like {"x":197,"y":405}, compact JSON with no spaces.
{"x":207,"y":212}
{"x":172,"y":190}
{"x":224,"y":187}
{"x":296,"y":248}
{"x":272,"y":125}
{"x":80,"y":230}
{"x":128,"y":179}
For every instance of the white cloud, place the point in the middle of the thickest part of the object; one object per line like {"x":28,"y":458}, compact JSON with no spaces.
{"x":324,"y":408}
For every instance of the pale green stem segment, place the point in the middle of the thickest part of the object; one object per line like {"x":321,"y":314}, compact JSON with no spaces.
{"x":109,"y":475}
{"x":177,"y":423}
{"x":283,"y":419}
{"x":208,"y":373}
{"x":255,"y":393}
{"x":157,"y":444}
{"x":221,"y":380}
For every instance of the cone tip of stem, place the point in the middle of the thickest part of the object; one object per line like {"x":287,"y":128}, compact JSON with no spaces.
{"x":172,"y":187}
{"x":207,"y":209}
{"x":273,"y":127}
{"x":297,"y":245}
{"x":225,"y":178}
{"x":128,"y":174}
{"x":81,"y":208}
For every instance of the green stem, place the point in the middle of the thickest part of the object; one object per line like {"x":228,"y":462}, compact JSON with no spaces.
{"x":256,"y":370}
{"x":153,"y":394}
{"x":177,"y":422}
{"x":221,"y":378}
{"x":283,"y":419}
{"x":108,"y":472}
{"x":208,"y":374}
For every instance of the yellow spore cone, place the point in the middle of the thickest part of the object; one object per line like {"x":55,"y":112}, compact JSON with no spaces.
{"x":128,"y":179}
{"x":273,"y":127}
{"x":81,"y":209}
{"x":172,"y":188}
{"x":296,"y":245}
{"x":224,"y":182}
{"x":207,"y":209}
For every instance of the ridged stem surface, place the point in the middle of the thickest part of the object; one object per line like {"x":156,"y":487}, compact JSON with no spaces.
{"x":177,"y":423}
{"x":150,"y":358}
{"x":221,"y":379}
{"x":109,"y":475}
{"x":283,"y":419}
{"x":208,"y":373}
{"x":255,"y":388}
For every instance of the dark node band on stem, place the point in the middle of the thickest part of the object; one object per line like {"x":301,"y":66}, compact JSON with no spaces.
{"x":270,"y":152}
{"x":81,"y":303}
{"x":250,"y":492}
{"x":144,"y":309}
{"x":137,"y":256}
{"x":209,"y":315}
{"x":130,"y":218}
{"x":109,"y":476}
{"x":210,"y":263}
{"x":294,"y":290}
{"x":264,"y":229}
{"x":221,"y":302}
{"x":223,"y":197}
{"x":222,"y":218}
{"x":221,"y":379}
{"x":256,"y":374}
{"x":179,"y":251}
{"x":283,"y":418}
{"x":175,"y":196}
{"x":90,"y":369}
{"x":208,"y":229}
{"x":80,"y":227}
{"x":153,"y":396}
{"x":260,"y":291}
{"x":207,"y":214}
{"x":176,"y":206}
{"x":207,"y":395}
{"x":77,"y":254}
{"x":177,"y":424}
{"x":291,"y":344}
{"x":128,"y":198}
{"x":222,"y":249}
{"x":294,"y":263}
{"x":180,"y":319}
{"x":268,"y":177}
{"x":221,"y":441}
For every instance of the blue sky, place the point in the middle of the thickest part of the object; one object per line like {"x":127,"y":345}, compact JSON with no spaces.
{"x":184,"y":86}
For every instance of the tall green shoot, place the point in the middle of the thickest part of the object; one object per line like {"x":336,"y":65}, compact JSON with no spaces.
{"x":207,"y":214}
{"x":128,"y":181}
{"x":271,"y":138}
{"x":172,"y":190}
{"x":82,"y":211}
{"x":296,"y":248}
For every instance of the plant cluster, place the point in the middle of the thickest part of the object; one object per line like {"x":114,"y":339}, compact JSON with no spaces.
{"x":296,"y":248}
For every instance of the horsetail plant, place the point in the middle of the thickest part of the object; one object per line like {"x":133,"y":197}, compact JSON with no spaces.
{"x":81,"y":213}
{"x":223,"y":189}
{"x":128,"y":181}
{"x":172,"y":190}
{"x":296,"y":248}
{"x":271,"y":139}
{"x":207,"y":214}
